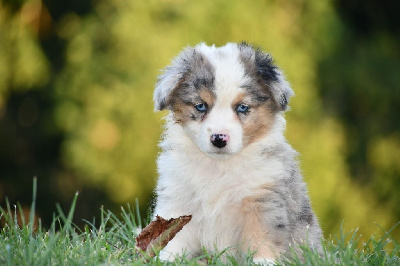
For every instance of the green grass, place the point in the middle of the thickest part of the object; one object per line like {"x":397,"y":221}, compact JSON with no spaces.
{"x":113,"y":242}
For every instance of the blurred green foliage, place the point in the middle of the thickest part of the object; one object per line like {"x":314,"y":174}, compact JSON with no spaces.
{"x":76,"y":83}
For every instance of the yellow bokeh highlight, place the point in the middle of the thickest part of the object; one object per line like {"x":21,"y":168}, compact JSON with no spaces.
{"x":104,"y":135}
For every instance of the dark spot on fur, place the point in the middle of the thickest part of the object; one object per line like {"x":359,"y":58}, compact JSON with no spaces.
{"x":262,"y":98}
{"x":310,"y":219}
{"x":283,"y":102}
{"x":306,"y":214}
{"x":280,"y":226}
{"x":265,"y":67}
{"x":202,"y":82}
{"x":278,"y":203}
{"x":162,"y":104}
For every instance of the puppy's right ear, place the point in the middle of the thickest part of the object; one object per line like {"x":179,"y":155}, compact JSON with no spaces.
{"x":172,"y":77}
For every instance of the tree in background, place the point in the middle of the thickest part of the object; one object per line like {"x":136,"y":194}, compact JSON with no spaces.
{"x":76,"y":83}
{"x":32,"y":56}
{"x":359,"y":84}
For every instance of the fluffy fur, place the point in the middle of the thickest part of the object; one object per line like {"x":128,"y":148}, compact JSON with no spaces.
{"x":245,"y":193}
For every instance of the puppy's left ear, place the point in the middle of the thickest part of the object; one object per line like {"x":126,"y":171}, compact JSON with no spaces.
{"x":171,"y":78}
{"x":281,"y":91}
{"x":274,"y":79}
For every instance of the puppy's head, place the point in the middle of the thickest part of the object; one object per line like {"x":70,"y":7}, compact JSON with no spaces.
{"x":224,"y":97}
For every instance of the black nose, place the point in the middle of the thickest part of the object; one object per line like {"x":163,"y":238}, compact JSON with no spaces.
{"x":219,"y":140}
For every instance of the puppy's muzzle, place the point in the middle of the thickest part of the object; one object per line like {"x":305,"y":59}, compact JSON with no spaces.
{"x":219,"y":140}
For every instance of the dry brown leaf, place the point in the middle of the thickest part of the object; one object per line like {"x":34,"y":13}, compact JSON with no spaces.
{"x":158,"y":233}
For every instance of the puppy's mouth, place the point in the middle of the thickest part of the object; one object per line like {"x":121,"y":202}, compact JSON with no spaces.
{"x":220,"y":153}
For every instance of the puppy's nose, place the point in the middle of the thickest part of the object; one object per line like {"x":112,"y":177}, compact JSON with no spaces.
{"x":219,"y":140}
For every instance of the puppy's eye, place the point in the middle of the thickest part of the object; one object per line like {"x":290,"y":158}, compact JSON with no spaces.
{"x":242,"y":108}
{"x":201,"y":107}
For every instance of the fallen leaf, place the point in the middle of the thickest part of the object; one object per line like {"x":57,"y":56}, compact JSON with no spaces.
{"x":158,"y":233}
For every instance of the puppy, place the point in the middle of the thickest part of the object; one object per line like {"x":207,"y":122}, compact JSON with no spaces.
{"x":224,"y":158}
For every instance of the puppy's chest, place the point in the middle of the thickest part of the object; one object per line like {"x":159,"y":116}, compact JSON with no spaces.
{"x":220,"y":192}
{"x":216,"y":186}
{"x":205,"y":186}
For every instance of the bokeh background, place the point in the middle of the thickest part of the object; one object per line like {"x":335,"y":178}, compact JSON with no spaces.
{"x":76,"y":111}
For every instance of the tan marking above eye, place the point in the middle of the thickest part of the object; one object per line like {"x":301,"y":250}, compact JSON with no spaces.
{"x":239,"y":99}
{"x":207,"y":96}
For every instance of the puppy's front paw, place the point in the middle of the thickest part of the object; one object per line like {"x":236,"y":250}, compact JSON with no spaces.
{"x":166,"y":256}
{"x":264,"y":261}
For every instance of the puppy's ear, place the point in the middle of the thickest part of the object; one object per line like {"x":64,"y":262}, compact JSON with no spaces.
{"x":281,"y":91}
{"x":274,"y":79}
{"x":171,"y":78}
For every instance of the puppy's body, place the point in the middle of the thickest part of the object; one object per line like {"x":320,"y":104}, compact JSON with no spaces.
{"x":224,"y":158}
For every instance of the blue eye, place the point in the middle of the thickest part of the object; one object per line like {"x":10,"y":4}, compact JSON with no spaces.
{"x":201,"y":107}
{"x":242,"y":108}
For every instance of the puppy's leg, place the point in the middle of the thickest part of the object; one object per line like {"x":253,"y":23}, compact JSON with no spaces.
{"x":266,"y":229}
{"x":184,"y":243}
{"x":262,"y":261}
